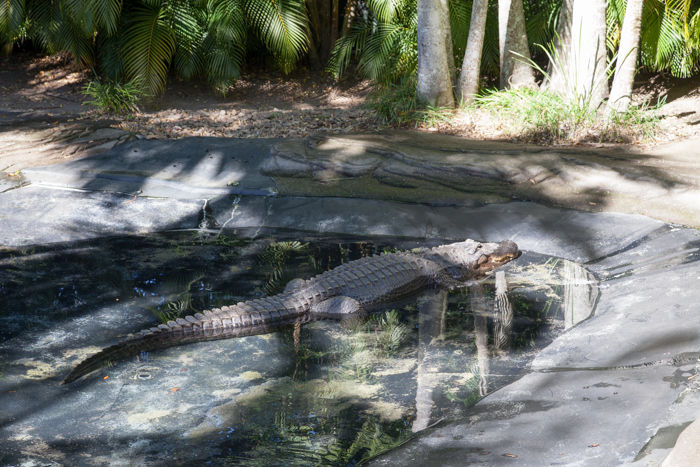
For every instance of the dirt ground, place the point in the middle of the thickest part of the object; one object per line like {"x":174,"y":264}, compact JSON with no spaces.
{"x":269,"y":104}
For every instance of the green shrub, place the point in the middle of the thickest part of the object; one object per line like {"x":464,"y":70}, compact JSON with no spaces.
{"x":113,"y":97}
{"x":398,"y":104}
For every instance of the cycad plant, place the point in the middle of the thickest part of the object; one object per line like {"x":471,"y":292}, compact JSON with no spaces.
{"x":670,"y":34}
{"x":139,"y":40}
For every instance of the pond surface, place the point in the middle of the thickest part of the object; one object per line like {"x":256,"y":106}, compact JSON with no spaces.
{"x":336,"y":393}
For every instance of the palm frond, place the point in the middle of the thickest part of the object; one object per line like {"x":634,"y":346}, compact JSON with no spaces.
{"x":281,"y":25}
{"x":106,"y":14}
{"x":460,"y":19}
{"x":385,"y":10}
{"x":71,"y":37}
{"x":189,"y":33}
{"x":353,"y":42}
{"x":149,"y":44}
{"x":109,"y":55}
{"x":11,"y":18}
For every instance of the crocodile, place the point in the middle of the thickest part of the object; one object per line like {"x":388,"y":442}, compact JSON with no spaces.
{"x":362,"y":286}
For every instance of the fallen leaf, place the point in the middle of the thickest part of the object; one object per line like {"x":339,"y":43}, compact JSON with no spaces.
{"x":591,"y":203}
{"x":10,"y":391}
{"x":594,"y":445}
{"x":184,"y":369}
{"x":510,"y":455}
{"x":105,"y":377}
{"x":484,"y":453}
{"x":532,"y":181}
{"x":175,"y":390}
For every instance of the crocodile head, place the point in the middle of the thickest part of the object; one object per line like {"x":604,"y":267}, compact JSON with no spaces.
{"x":470,"y":260}
{"x":494,"y":255}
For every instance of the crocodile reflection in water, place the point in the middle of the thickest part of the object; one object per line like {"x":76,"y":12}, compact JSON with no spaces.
{"x":576,"y":292}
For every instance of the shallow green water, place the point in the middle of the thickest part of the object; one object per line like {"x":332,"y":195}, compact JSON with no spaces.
{"x":336,"y":394}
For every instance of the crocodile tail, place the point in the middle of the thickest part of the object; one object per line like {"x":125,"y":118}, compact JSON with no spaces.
{"x":131,"y":346}
{"x":244,"y":319}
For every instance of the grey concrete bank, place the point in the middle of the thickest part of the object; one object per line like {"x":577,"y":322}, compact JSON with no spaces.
{"x":617,"y":389}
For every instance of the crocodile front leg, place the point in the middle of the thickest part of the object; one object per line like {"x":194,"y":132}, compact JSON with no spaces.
{"x":337,"y":307}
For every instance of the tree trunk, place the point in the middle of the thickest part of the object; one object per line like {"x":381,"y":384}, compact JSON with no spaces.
{"x":558,"y":68}
{"x":515,"y":54}
{"x":588,"y":32}
{"x":468,"y":85}
{"x":314,"y":61}
{"x":350,"y":13}
{"x":324,"y":29}
{"x":627,"y":57}
{"x":449,"y":50}
{"x":334,"y":22}
{"x":434,"y":84}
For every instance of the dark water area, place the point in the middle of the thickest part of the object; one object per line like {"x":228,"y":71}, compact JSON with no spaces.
{"x":335,"y":393}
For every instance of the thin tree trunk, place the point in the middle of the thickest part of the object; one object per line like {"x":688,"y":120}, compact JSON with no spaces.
{"x":558,"y":70}
{"x":314,"y":61}
{"x":324,"y":29}
{"x":449,"y":50}
{"x":434,"y":84}
{"x":627,"y":57}
{"x":515,"y":54}
{"x":350,"y":13}
{"x":589,"y":51}
{"x":468,"y":85}
{"x":334,"y":22}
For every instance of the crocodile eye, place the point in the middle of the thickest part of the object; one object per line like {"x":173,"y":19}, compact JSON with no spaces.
{"x":478,"y":247}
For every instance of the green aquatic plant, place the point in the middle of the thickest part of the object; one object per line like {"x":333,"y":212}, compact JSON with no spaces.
{"x":375,"y":438}
{"x":356,"y":361}
{"x":181,"y":284}
{"x":392,"y":333}
{"x":274,"y":260}
{"x":470,"y":387}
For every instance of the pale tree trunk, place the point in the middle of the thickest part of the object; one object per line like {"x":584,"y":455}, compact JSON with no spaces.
{"x":579,"y":68}
{"x":588,"y":34}
{"x":559,"y":66}
{"x":512,"y":39}
{"x":434,"y":85}
{"x":468,"y":85}
{"x":448,"y":45}
{"x":431,"y":328}
{"x":627,"y":57}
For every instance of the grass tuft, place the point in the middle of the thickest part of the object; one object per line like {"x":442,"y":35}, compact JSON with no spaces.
{"x":545,"y":117}
{"x":397,"y":104}
{"x":113,"y":97}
